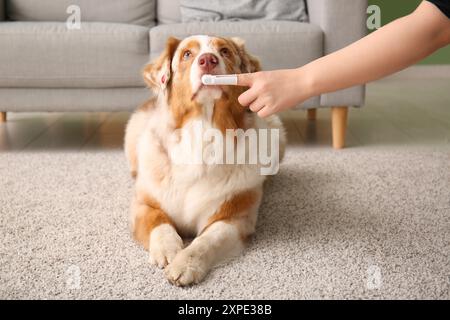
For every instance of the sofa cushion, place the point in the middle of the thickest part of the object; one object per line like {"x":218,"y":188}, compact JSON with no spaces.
{"x":278,"y":44}
{"x":47,"y":54}
{"x":168,"y":11}
{"x":72,"y":99}
{"x":216,"y":10}
{"x":139,"y":12}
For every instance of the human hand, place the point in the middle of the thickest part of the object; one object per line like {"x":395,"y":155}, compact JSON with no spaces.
{"x":273,"y":91}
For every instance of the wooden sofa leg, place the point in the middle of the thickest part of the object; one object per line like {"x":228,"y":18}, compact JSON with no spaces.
{"x":312,"y":114}
{"x":2,"y":116}
{"x":339,"y":126}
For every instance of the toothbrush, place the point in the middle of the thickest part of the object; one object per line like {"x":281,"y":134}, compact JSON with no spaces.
{"x":226,"y":79}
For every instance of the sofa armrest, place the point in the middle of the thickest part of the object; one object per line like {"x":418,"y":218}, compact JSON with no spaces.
{"x":2,"y":10}
{"x":342,"y":22}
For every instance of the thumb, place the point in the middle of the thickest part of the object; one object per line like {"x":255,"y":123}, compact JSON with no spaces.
{"x":245,"y":79}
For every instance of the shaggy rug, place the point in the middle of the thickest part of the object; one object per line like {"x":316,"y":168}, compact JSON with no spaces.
{"x":358,"y":223}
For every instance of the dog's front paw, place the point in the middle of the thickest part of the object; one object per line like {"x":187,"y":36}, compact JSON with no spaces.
{"x":187,"y":268}
{"x":165,"y":243}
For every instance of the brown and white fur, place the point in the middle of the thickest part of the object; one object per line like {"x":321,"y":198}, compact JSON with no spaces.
{"x":216,"y":204}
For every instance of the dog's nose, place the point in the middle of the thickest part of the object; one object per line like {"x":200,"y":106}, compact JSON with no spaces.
{"x":208,"y":62}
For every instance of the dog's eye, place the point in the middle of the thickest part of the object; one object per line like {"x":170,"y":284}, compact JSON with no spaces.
{"x":225,"y":52}
{"x":187,"y":55}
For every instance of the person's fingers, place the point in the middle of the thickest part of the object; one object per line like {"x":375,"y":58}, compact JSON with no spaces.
{"x":248,"y":97}
{"x":245,"y":79}
{"x":265,"y":112}
{"x":256,"y":105}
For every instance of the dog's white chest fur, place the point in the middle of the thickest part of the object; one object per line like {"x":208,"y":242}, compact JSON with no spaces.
{"x":189,"y":190}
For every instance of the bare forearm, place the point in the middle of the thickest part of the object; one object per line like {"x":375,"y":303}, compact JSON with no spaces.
{"x":386,"y":51}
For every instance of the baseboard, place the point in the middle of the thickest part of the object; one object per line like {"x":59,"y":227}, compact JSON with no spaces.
{"x":422,"y":72}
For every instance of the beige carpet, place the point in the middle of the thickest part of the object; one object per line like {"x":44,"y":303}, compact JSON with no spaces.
{"x":360,"y":223}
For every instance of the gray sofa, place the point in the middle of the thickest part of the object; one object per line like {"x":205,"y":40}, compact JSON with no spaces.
{"x":47,"y":67}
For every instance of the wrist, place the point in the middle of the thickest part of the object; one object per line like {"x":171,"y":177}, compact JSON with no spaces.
{"x":307,"y":83}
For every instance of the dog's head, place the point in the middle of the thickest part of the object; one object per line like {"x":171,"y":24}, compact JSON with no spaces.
{"x":178,"y":70}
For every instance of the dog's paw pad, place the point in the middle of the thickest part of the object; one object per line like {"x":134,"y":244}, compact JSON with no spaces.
{"x":185,"y":269}
{"x":165,"y":243}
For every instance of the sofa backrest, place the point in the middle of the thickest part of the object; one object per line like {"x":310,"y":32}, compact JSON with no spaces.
{"x":139,"y":12}
{"x":168,"y":11}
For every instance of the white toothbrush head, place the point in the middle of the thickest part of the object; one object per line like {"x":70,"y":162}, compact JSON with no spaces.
{"x":226,"y":79}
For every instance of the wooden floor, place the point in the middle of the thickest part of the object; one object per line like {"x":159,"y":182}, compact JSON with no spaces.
{"x":397,"y":113}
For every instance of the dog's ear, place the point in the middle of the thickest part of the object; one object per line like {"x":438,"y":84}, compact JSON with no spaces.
{"x":249,"y":63}
{"x":158,"y":73}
